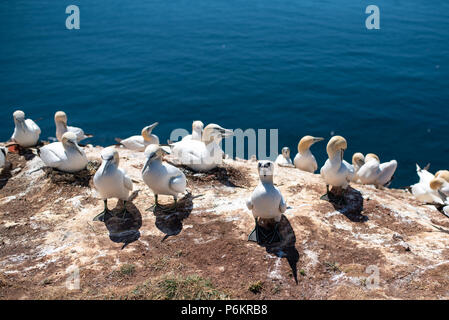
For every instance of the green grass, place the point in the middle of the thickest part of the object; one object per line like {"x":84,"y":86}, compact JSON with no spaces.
{"x":172,"y":287}
{"x":127,"y":269}
{"x":256,"y":287}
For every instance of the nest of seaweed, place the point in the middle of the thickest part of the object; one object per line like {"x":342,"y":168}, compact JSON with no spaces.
{"x":224,"y":174}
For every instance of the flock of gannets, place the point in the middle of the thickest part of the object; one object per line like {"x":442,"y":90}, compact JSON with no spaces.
{"x":201,"y":151}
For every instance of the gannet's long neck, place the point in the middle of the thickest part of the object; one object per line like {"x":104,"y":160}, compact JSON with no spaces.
{"x":20,"y":125}
{"x":268,"y":179}
{"x":336,"y":159}
{"x":305,"y":153}
{"x":61,"y":125}
{"x":196,"y":134}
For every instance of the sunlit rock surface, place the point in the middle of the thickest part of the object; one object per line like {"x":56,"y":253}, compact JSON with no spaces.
{"x":379,"y":244}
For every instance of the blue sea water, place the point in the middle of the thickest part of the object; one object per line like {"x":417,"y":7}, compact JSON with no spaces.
{"x":302,"y":66}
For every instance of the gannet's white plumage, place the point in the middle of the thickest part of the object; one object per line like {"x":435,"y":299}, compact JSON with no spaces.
{"x":266,"y":201}
{"x":376,"y":173}
{"x":65,"y":156}
{"x":3,"y":153}
{"x":284,"y":158}
{"x":197,"y":131}
{"x":139,"y":143}
{"x":336,"y":171}
{"x":358,"y":160}
{"x":26,"y":132}
{"x":62,"y":127}
{"x":304,"y":159}
{"x":111,"y":181}
{"x":422,"y":190}
{"x":162,"y":178}
{"x":202,"y":155}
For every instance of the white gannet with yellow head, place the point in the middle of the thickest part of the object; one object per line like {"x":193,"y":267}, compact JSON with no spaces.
{"x":304,"y":159}
{"x":441,"y":185}
{"x":26,"y":132}
{"x":64,"y":156}
{"x":443,"y":174}
{"x":358,"y":160}
{"x":376,"y":173}
{"x":162,"y":178}
{"x":266,"y":202}
{"x":139,"y":143}
{"x":111,"y":181}
{"x":62,"y":127}
{"x":283,"y":159}
{"x":202,"y":155}
{"x":197,"y":131}
{"x":422,"y":190}
{"x":3,"y":153}
{"x":336,"y":172}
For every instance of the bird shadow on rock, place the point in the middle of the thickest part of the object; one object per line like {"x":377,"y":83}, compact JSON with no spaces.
{"x":169,"y":219}
{"x":286,"y":247}
{"x":124,"y":228}
{"x":349,"y":203}
{"x":80,"y":178}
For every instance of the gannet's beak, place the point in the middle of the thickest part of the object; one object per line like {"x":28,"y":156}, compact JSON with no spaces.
{"x":317,"y":139}
{"x":226,"y":132}
{"x":108,"y":162}
{"x":150,"y":158}
{"x":166,"y":149}
{"x":152,"y":126}
{"x":75,"y":145}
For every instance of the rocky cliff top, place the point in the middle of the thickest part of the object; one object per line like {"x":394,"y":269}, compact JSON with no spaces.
{"x":47,"y":236}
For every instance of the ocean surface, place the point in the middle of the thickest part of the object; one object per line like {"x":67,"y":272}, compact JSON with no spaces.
{"x":300,"y":66}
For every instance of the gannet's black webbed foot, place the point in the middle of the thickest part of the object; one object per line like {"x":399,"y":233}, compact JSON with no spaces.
{"x":327,"y":196}
{"x":103,"y":215}
{"x":155,"y":205}
{"x":264,"y":236}
{"x":124,"y":212}
{"x":276,"y":234}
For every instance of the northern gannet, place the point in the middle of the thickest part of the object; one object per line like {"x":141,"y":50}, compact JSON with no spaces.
{"x":376,"y":173}
{"x":304,"y":159}
{"x":160,"y":177}
{"x":266,"y":202}
{"x":61,"y":128}
{"x":3,"y":153}
{"x":26,"y":133}
{"x":422,"y":190}
{"x":65,"y":156}
{"x":197,"y":131}
{"x":358,"y":160}
{"x":139,"y":143}
{"x":336,"y":171}
{"x":444,"y":174}
{"x":111,"y":181}
{"x":442,"y":187}
{"x":202,"y":155}
{"x":284,"y":158}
